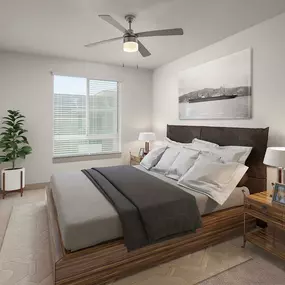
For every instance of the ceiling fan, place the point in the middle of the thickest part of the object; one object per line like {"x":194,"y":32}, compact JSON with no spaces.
{"x":131,"y":41}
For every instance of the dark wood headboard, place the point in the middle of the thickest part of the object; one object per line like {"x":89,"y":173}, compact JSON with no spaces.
{"x":257,"y":138}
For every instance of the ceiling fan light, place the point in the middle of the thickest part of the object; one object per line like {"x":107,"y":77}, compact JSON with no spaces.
{"x":130,"y":44}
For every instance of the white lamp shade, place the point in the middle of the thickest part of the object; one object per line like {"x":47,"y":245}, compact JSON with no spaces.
{"x":146,"y":137}
{"x":275,"y":156}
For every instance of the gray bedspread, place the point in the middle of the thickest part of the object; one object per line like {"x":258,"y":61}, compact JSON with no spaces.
{"x":149,"y":208}
{"x":86,"y":218}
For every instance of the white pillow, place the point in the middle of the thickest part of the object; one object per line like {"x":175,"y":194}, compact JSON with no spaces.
{"x":204,"y":143}
{"x":227,"y":153}
{"x":171,"y":143}
{"x":213,"y":178}
{"x":152,"y":158}
{"x":235,"y":153}
{"x":166,"y":160}
{"x":184,"y":160}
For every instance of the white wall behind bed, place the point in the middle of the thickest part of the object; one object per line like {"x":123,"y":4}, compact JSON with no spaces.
{"x":26,"y":84}
{"x":268,"y":43}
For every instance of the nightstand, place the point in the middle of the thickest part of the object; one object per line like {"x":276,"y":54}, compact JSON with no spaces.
{"x":135,"y":160}
{"x":260,"y":206}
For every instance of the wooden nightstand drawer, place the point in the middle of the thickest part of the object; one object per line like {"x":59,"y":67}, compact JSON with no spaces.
{"x":266,"y":213}
{"x":265,"y":210}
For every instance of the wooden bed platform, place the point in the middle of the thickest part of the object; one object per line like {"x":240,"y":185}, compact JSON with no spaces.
{"x":111,"y":261}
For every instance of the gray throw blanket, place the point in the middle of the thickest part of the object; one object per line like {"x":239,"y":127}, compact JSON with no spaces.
{"x":150,"y":209}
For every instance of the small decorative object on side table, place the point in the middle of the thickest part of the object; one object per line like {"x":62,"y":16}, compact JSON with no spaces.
{"x":278,"y":197}
{"x":260,"y":206}
{"x":146,"y":137}
{"x":135,"y":160}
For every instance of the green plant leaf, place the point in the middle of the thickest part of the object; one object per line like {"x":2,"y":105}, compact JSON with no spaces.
{"x":3,"y":159}
{"x":8,"y":123}
{"x":9,"y":118}
{"x":25,"y":140}
{"x":22,"y":154}
{"x":6,"y":128}
{"x":21,"y":116}
{"x":26,"y":149}
{"x":9,"y":156}
{"x":22,"y":131}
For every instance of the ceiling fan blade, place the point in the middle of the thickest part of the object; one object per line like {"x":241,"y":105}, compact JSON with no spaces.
{"x":113,"y":22}
{"x":102,"y":42}
{"x":167,"y":32}
{"x":143,"y":50}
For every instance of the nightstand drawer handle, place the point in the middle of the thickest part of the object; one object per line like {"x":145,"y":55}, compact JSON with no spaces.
{"x":264,"y":209}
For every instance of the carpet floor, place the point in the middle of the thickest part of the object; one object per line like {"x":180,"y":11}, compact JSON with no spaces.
{"x":25,"y":258}
{"x":253,"y":272}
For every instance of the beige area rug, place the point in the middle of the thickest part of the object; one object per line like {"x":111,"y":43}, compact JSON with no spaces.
{"x":25,"y":258}
{"x":192,"y":268}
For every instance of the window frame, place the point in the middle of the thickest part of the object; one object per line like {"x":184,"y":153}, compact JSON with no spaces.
{"x":88,"y":156}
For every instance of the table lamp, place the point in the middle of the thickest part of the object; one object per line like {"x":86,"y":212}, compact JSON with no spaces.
{"x":275,"y":156}
{"x":146,"y":137}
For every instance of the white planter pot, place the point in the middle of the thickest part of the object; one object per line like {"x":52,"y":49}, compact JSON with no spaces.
{"x":12,"y":179}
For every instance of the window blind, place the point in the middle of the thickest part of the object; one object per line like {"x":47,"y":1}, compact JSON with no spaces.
{"x":85,"y":116}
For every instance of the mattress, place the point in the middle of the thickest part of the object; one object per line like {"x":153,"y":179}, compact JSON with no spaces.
{"x":86,"y":218}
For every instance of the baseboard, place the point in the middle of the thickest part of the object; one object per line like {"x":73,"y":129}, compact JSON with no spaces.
{"x":35,"y":186}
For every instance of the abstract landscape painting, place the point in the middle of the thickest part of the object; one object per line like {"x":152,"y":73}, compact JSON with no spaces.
{"x":220,"y":89}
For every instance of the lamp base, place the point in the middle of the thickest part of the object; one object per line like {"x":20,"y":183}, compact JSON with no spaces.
{"x":146,"y":147}
{"x":280,"y":175}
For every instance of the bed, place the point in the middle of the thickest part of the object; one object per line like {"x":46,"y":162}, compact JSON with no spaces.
{"x":92,"y":211}
{"x":83,"y":255}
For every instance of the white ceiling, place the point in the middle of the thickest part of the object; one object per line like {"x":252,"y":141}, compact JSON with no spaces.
{"x":62,"y":27}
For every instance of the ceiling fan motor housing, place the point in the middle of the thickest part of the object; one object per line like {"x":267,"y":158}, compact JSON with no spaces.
{"x":130,"y":38}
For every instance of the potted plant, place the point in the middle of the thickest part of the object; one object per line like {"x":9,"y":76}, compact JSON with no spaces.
{"x":14,"y":145}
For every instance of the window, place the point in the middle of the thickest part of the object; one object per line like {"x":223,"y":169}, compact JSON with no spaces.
{"x":85,"y":113}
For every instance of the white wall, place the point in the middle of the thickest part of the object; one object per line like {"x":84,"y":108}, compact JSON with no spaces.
{"x":267,"y":41}
{"x":26,"y":84}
